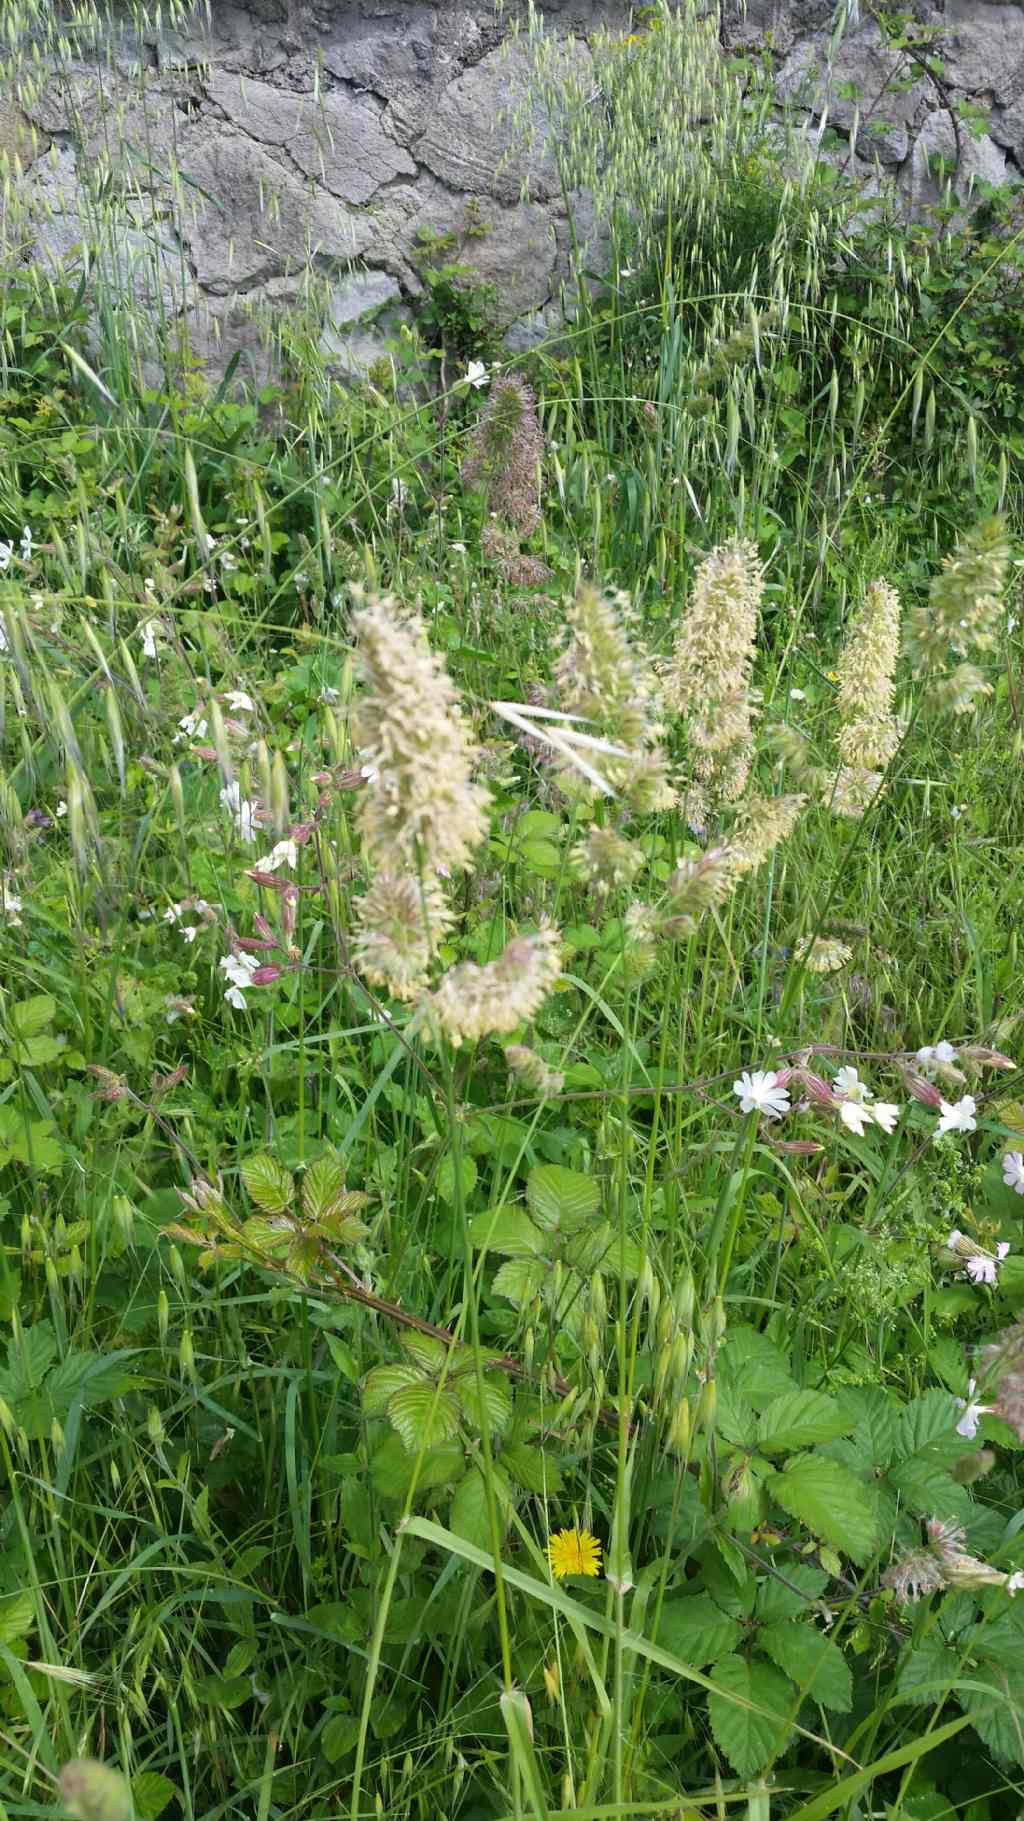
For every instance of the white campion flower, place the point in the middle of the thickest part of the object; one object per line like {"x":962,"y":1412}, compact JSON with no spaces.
{"x":980,"y":1267}
{"x":885,"y":1114}
{"x":6,"y":553}
{"x":850,"y":1086}
{"x":1013,"y":1171}
{"x":189,"y":931}
{"x":239,"y":969}
{"x":61,"y":810}
{"x":10,"y":903}
{"x":241,"y":810}
{"x":857,"y":1106}
{"x":1015,"y":1583}
{"x":972,"y":1412}
{"x":286,"y":853}
{"x":957,"y":1116}
{"x":147,"y":633}
{"x":760,"y":1092}
{"x":26,"y":544}
{"x":191,"y":727}
{"x":935,"y":1055}
{"x":476,"y":374}
{"x":238,"y":702}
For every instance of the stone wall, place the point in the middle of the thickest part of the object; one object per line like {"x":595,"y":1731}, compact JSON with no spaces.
{"x":274,"y":133}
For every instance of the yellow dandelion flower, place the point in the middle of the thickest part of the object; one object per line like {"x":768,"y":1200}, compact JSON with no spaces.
{"x":573,"y":1552}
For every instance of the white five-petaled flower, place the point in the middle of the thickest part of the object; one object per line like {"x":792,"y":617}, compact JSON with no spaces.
{"x":936,"y":1055}
{"x":238,"y":702}
{"x":192,"y":727}
{"x":1013,"y":1171}
{"x":798,"y":695}
{"x":957,"y":1116}
{"x":972,"y":1412}
{"x":147,"y":633}
{"x":61,"y":810}
{"x":760,"y":1093}
{"x":239,"y":969}
{"x":857,"y":1107}
{"x":476,"y":374}
{"x":286,"y":853}
{"x":1015,"y":1583}
{"x":982,"y":1268}
{"x":6,"y":553}
{"x":26,"y":544}
{"x":241,"y":809}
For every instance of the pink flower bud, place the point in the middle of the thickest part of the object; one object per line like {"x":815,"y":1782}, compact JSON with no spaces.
{"x":922,"y":1090}
{"x":264,"y":927}
{"x":989,"y":1059}
{"x":815,"y":1087}
{"x":301,"y":833}
{"x":253,"y":946}
{"x":265,"y":976}
{"x":796,"y":1147}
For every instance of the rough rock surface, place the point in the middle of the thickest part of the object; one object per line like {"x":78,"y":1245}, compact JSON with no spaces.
{"x":274,"y":137}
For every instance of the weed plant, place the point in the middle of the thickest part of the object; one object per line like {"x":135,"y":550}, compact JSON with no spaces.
{"x":509,"y":1112}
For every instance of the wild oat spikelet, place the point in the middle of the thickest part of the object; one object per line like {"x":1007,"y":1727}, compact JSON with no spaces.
{"x":870,"y":734}
{"x":606,"y":859}
{"x":640,"y":948}
{"x":708,"y":679}
{"x":421,"y":809}
{"x":533,"y":1071}
{"x":505,"y":453}
{"x":399,"y":923}
{"x":696,"y":886}
{"x":472,"y":1002}
{"x":963,"y":614}
{"x":603,"y":675}
{"x":762,"y":823}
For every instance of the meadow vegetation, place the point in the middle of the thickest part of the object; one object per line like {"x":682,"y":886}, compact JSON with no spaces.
{"x":512,"y":1221}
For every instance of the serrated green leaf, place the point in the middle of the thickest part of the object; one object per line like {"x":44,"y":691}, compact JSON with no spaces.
{"x":35,"y":1052}
{"x":322,"y":1186}
{"x":811,"y":1660}
{"x":268,"y":1234}
{"x":391,"y":1468}
{"x":802,"y":1583}
{"x":995,"y":1709}
{"x":926,"y":1488}
{"x":531,"y":1468}
{"x":798,"y":1419}
{"x":440,"y":1466}
{"x":469,"y":1516}
{"x":429,"y":1352}
{"x":446,"y":1176}
{"x":28,"y":1141}
{"x":382,"y":1383}
{"x":17,"y":1616}
{"x":560,"y":1198}
{"x":696,"y":1630}
{"x":875,"y":1417}
{"x":520,"y":1279}
{"x":933,"y":1415}
{"x":752,"y":1367}
{"x":926,"y":1670}
{"x":268,"y":1183}
{"x":509,"y":1231}
{"x":749,"y":1740}
{"x":33,"y":1015}
{"x":226,"y":1692}
{"x":423,"y":1416}
{"x":151,"y":1793}
{"x":340,"y":1736}
{"x":496,"y":1401}
{"x":825,"y":1496}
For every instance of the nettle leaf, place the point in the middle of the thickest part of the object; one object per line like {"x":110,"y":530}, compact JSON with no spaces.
{"x":753,"y":1367}
{"x":469,"y":1516}
{"x":798,"y":1419}
{"x":323,"y":1184}
{"x":801,"y":1584}
{"x":423,"y":1415}
{"x":697,"y":1630}
{"x":933,"y":1415}
{"x":446,"y":1176}
{"x":269,"y":1184}
{"x":521,"y":1279}
{"x":561,"y":1198}
{"x":825,"y":1496}
{"x":814,"y":1662}
{"x":749,"y":1740}
{"x":382,"y":1383}
{"x":509,"y":1231}
{"x":531,"y":1468}
{"x":33,"y":1015}
{"x":493,"y":1398}
{"x":875,"y":1419}
{"x":927,"y":1670}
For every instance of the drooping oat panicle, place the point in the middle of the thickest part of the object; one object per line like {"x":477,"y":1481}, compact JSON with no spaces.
{"x":421,"y":808}
{"x":870,"y":733}
{"x":603,"y":675}
{"x":472,"y":1002}
{"x":708,"y":679}
{"x":533,"y":1071}
{"x":505,"y":453}
{"x":400,"y":921}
